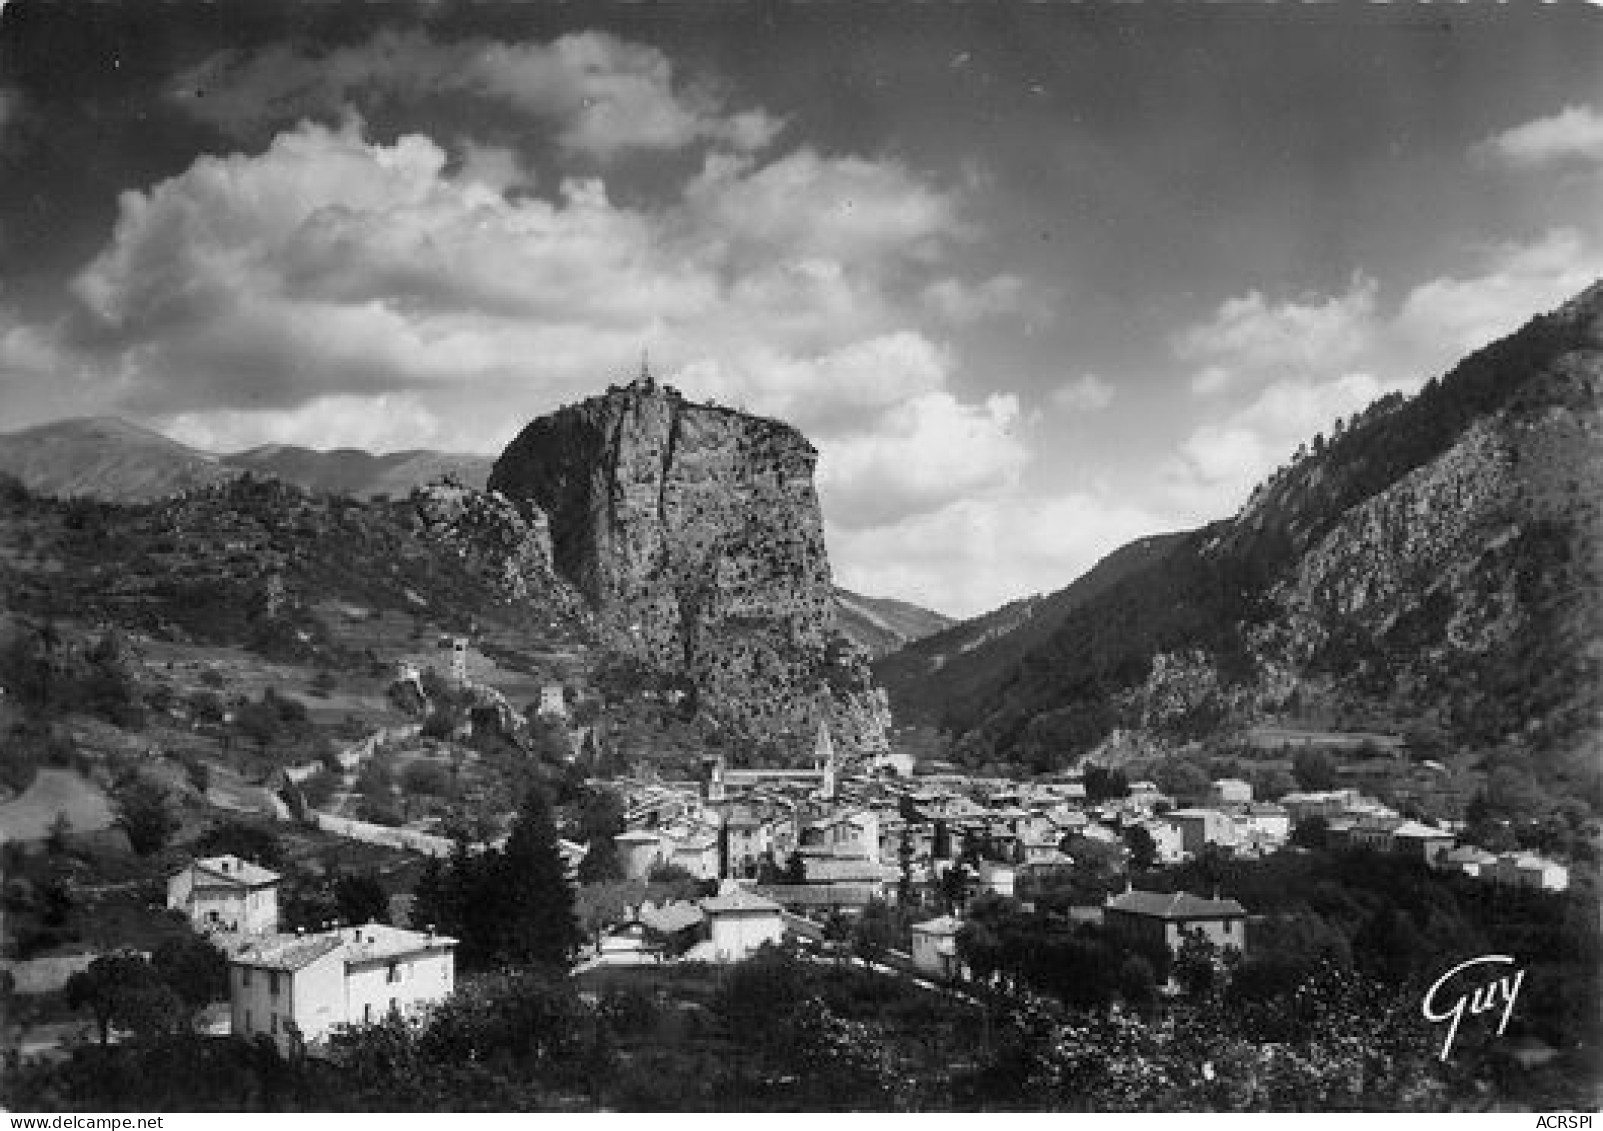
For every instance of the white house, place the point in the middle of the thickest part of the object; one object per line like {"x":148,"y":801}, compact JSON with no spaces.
{"x":935,"y":946}
{"x":302,"y":986}
{"x":225,"y":893}
{"x":1527,"y":870}
{"x":1230,"y":791}
{"x":739,"y":922}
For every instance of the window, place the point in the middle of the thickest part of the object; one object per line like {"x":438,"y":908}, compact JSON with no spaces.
{"x":272,"y":983}
{"x":272,"y":1026}
{"x":367,"y":1014}
{"x":245,"y":976}
{"x":247,"y":1021}
{"x":394,"y":974}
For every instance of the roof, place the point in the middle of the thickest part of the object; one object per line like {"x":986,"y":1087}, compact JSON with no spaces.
{"x":1416,"y":829}
{"x":374,"y":942}
{"x":232,"y":871}
{"x":370,"y":943}
{"x":822,"y":895}
{"x":738,"y":901}
{"x":671,"y":918}
{"x":1178,"y":905}
{"x":637,"y":836}
{"x":284,"y":952}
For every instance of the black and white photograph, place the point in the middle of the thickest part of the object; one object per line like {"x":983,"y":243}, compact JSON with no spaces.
{"x":800,"y":556}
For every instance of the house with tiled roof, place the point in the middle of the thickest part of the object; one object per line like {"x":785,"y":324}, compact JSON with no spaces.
{"x":225,"y":893}
{"x":298,"y":988}
{"x":739,"y":921}
{"x":1163,"y":918}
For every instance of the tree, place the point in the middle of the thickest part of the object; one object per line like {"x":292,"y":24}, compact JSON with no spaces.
{"x":145,"y":813}
{"x":601,"y":818}
{"x":248,"y":841}
{"x":1185,"y":781}
{"x":1196,"y":963}
{"x":1314,"y":769}
{"x":795,"y":871}
{"x":601,"y":864}
{"x":122,"y":989}
{"x":1143,"y":848}
{"x":1138,"y":982}
{"x":360,"y":898}
{"x":195,"y":970}
{"x":904,"y":867}
{"x":1104,"y":784}
{"x":956,"y":882}
{"x":535,"y":900}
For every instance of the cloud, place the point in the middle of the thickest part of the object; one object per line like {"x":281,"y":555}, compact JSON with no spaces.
{"x":600,"y":94}
{"x":980,"y":552}
{"x":1087,"y":393}
{"x":335,"y":290}
{"x":963,"y":302}
{"x":837,"y":208}
{"x":1251,"y":338}
{"x":1574,"y":135}
{"x":383,"y":422}
{"x":1281,"y":371}
{"x":1216,"y":466}
{"x":923,"y":455}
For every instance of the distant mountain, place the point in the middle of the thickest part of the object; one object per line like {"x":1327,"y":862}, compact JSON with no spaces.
{"x":351,"y":471}
{"x":105,"y":458}
{"x":881,"y":625}
{"x":1433,"y":563}
{"x":932,"y":677}
{"x":112,"y":460}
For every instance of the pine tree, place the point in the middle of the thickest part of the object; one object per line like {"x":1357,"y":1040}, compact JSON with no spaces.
{"x":533,"y":897}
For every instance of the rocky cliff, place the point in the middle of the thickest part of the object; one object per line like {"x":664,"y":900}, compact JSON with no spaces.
{"x":694,"y":532}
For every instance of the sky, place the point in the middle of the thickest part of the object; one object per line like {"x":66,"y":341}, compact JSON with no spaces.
{"x":1035,"y":280}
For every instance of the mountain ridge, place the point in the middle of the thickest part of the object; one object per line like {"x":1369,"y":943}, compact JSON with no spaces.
{"x":1434,"y":560}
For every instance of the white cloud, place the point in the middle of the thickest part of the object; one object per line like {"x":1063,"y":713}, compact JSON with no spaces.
{"x":385,"y":422}
{"x":923,"y":454}
{"x":600,"y":94}
{"x":334,"y":291}
{"x":1218,"y":464}
{"x":980,"y":552}
{"x":1251,"y":338}
{"x":962,"y":302}
{"x":1441,"y":320}
{"x":1573,"y":135}
{"x":1086,"y":393}
{"x":1283,"y":371}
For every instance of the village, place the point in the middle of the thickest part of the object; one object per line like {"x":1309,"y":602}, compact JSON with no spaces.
{"x":789,"y":857}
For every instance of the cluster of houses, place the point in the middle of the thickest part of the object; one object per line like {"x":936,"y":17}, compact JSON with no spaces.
{"x":789,"y":849}
{"x":297,"y":988}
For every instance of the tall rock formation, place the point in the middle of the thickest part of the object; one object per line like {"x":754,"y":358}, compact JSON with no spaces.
{"x":695,"y":533}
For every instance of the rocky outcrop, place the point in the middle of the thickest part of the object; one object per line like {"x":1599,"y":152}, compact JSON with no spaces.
{"x":511,"y":547}
{"x":694,"y":532}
